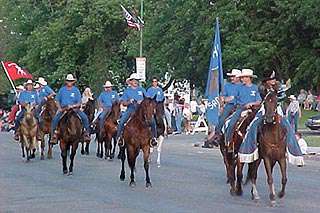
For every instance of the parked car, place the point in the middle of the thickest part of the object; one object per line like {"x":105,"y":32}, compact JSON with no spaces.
{"x":313,"y":122}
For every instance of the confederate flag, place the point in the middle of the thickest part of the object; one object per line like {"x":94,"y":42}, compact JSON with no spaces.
{"x":14,"y":71}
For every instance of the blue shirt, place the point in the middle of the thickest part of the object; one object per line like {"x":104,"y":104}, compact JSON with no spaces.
{"x":155,"y":92}
{"x":248,"y":94}
{"x":136,"y":94}
{"x":66,"y":97}
{"x":45,"y":92}
{"x":28,"y":97}
{"x":108,"y":98}
{"x":231,"y":89}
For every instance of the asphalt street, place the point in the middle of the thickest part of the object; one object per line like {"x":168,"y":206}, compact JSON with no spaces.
{"x":190,"y":179}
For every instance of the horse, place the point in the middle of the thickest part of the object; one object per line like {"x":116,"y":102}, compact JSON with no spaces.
{"x":136,"y":136}
{"x":28,"y":133}
{"x":109,"y":132}
{"x":89,"y":110}
{"x":230,"y":152}
{"x":271,"y":147}
{"x":70,"y":134}
{"x":50,"y":109}
{"x":161,"y":129}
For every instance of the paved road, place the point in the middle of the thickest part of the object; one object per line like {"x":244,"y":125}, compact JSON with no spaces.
{"x":190,"y":180}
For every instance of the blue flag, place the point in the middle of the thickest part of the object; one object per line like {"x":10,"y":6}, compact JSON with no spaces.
{"x":215,"y":79}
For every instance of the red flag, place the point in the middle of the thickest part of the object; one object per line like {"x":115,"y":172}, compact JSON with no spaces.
{"x":14,"y":71}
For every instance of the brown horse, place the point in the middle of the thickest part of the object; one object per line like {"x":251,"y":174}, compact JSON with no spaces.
{"x":89,"y":110}
{"x":70,"y":133}
{"x":272,"y":147}
{"x":230,"y":152}
{"x":109,"y":132}
{"x":50,"y":109}
{"x":136,"y":136}
{"x":28,"y":133}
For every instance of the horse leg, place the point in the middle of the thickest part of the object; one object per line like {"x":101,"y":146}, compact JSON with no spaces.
{"x":42,"y":147}
{"x":63,"y":148}
{"x":22,"y":149}
{"x":49,"y":155}
{"x":87,"y":149}
{"x":114,"y":147}
{"x":146,"y":154}
{"x":131,"y":154}
{"x":160,"y":142}
{"x":122,"y":156}
{"x":73,"y":153}
{"x":33,"y":146}
{"x":107,"y":148}
{"x":239,"y":177}
{"x":253,"y":171}
{"x":82,"y":148}
{"x":283,"y":168}
{"x":231,"y":173}
{"x":223,"y":152}
{"x":98,"y":147}
{"x":269,"y":166}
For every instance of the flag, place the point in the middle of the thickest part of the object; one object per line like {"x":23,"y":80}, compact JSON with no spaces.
{"x":132,"y":21}
{"x":14,"y":71}
{"x":215,"y":79}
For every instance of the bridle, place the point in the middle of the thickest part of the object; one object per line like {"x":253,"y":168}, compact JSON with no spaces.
{"x":274,"y":113}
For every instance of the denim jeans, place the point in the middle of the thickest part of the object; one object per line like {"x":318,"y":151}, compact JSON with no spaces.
{"x":231,"y":123}
{"x":293,"y":121}
{"x":124,"y":118}
{"x":102,"y":117}
{"x":19,"y":119}
{"x":82,"y":115}
{"x":178,"y":118}
{"x":226,"y":112}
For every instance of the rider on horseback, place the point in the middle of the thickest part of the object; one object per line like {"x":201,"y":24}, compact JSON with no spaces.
{"x":132,"y":97}
{"x":28,"y":96}
{"x":248,"y":96}
{"x":69,"y":97}
{"x":248,"y":151}
{"x":105,"y":101}
{"x":45,"y":93}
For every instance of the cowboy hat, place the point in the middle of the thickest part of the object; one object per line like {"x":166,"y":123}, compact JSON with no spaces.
{"x":19,"y":87}
{"x":37,"y":86}
{"x":28,"y":82}
{"x":234,"y":72}
{"x":42,"y":81}
{"x":133,"y":76}
{"x":292,"y":97}
{"x":107,"y":84}
{"x":247,"y":73}
{"x":269,"y":75}
{"x":70,"y":78}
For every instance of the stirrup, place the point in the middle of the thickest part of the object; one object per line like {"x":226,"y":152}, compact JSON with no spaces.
{"x":153,"y":142}
{"x":120,"y":142}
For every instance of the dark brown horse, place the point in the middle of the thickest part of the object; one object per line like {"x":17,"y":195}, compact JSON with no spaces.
{"x":89,"y":110}
{"x":230,"y":152}
{"x":106,"y":135}
{"x":136,"y":137}
{"x":161,"y":128}
{"x":70,"y":133}
{"x":48,"y":113}
{"x":272,"y":147}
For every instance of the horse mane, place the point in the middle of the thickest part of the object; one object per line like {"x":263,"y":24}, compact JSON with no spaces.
{"x":67,"y":122}
{"x":50,"y":108}
{"x":139,"y":113}
{"x":90,"y":108}
{"x":111,"y":115}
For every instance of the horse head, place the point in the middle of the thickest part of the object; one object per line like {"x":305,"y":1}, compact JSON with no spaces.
{"x":115,"y":111}
{"x":160,"y":110}
{"x":148,"y":109}
{"x":270,"y":106}
{"x":89,"y":108}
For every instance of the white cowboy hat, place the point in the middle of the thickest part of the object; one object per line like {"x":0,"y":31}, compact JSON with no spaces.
{"x":292,"y":97}
{"x":28,"y":82}
{"x":234,"y":72}
{"x":107,"y":84}
{"x":134,"y":76}
{"x":247,"y":73}
{"x":70,"y":78}
{"x":37,"y":86}
{"x":20,"y":87}
{"x":42,"y":81}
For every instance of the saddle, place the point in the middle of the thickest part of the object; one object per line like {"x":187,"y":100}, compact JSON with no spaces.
{"x":66,"y":112}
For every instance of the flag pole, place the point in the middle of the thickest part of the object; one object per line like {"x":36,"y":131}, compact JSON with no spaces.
{"x":141,"y":29}
{"x":11,"y":82}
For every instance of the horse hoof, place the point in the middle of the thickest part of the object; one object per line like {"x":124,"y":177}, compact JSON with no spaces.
{"x":42,"y":157}
{"x":97,"y":154}
{"x":232,"y":192}
{"x":239,"y":192}
{"x":70,"y":173}
{"x":272,"y":203}
{"x":65,"y":172}
{"x":119,"y":156}
{"x":32,"y":156}
{"x":281,"y":195}
{"x":158,"y":165}
{"x":148,"y":185}
{"x":49,"y":157}
{"x":82,"y":152}
{"x":87,"y":153}
{"x":132,"y":184}
{"x":122,"y":177}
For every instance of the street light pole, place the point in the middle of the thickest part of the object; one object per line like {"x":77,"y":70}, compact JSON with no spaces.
{"x":141,"y":30}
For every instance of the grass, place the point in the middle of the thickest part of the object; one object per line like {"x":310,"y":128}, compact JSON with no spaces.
{"x":305,"y":115}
